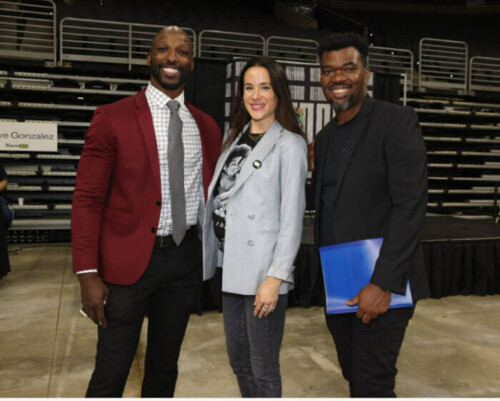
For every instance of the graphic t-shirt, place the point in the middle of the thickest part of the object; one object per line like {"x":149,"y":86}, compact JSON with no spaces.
{"x":227,"y":178}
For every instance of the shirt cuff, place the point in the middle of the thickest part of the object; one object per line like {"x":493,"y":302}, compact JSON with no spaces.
{"x":87,"y":271}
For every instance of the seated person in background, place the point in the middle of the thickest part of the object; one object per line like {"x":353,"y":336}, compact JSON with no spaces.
{"x":4,"y":255}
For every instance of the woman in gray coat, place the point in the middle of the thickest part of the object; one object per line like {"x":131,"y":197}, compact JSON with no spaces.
{"x":253,"y":223}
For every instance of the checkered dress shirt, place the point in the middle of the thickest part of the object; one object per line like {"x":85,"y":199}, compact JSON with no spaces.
{"x":157,"y":101}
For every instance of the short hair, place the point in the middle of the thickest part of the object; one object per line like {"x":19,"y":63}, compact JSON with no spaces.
{"x":338,"y":41}
{"x":240,"y":151}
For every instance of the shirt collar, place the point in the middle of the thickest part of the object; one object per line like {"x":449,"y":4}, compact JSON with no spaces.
{"x":160,"y":99}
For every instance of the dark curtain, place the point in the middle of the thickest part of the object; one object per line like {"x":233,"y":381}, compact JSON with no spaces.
{"x":463,"y":267}
{"x":456,"y":265}
{"x":387,"y":87}
{"x":207,"y":91}
{"x":207,"y":87}
{"x":453,"y":268}
{"x":309,"y":288}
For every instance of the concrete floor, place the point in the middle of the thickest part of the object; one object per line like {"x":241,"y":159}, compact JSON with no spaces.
{"x":452,"y":346}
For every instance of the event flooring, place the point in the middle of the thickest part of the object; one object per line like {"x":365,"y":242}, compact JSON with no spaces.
{"x":452,"y":346}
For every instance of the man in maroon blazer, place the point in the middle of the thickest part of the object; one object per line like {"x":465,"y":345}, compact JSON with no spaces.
{"x":127,"y":261}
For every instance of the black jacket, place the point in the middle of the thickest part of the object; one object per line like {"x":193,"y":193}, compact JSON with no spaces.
{"x":381,"y":191}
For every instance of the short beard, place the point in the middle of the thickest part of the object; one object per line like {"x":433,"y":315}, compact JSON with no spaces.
{"x":184,"y":76}
{"x":344,"y":106}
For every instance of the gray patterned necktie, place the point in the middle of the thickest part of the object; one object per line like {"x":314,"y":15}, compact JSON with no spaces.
{"x":176,"y":173}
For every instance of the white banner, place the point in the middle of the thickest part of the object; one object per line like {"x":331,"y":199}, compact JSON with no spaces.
{"x":28,"y":137}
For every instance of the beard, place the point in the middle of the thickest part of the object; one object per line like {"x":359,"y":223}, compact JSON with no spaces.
{"x":343,"y":106}
{"x":356,"y":96}
{"x":184,"y":75}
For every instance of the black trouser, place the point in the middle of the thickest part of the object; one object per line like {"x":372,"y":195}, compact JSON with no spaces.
{"x":253,"y":344}
{"x":368,"y":352}
{"x":168,"y":291}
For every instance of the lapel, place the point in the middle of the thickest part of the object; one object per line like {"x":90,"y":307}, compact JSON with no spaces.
{"x":320,"y":146}
{"x":359,"y":128}
{"x":145,"y":119}
{"x":259,"y":153}
{"x":221,"y":160}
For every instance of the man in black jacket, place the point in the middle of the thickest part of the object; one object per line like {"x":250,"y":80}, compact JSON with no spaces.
{"x":370,"y":181}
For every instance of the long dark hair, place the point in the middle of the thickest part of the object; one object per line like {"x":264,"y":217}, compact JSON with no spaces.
{"x":284,"y":110}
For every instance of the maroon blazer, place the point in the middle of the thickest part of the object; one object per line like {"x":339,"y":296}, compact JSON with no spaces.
{"x":117,"y":198}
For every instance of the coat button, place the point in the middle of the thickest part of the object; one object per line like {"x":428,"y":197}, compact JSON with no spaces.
{"x":251,"y":216}
{"x":158,"y":203}
{"x":250,"y":243}
{"x":153,"y":229}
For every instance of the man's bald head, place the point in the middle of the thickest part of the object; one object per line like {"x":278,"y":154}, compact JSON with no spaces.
{"x":172,"y":30}
{"x":171,"y":60}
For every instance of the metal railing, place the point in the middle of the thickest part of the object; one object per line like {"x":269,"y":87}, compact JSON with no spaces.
{"x":443,"y":64}
{"x":28,"y":29}
{"x":226,"y":45}
{"x":393,"y":61}
{"x":292,"y":49}
{"x":484,"y":74}
{"x":108,"y":41}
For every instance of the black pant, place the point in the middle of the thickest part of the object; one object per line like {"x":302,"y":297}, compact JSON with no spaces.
{"x":253,"y":344}
{"x":368,"y":352}
{"x":167,"y":291}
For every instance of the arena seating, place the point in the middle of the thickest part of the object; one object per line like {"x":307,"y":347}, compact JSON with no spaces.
{"x":463,"y":148}
{"x":461,"y":126}
{"x":41,"y":184}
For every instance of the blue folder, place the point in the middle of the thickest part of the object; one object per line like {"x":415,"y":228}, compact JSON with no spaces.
{"x":347,"y":268}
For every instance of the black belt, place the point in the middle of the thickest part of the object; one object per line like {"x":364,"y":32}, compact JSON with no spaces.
{"x":167,"y":240}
